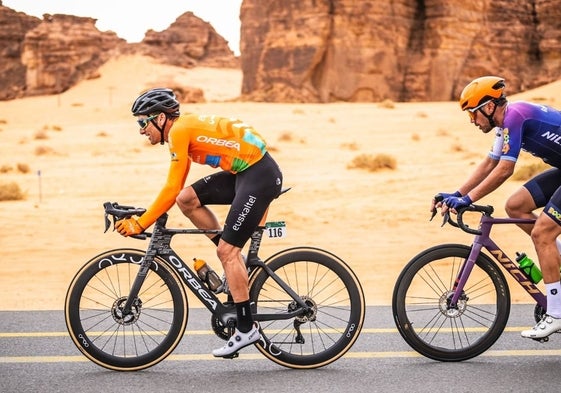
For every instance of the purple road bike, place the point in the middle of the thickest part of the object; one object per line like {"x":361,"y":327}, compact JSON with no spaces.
{"x":451,"y":302}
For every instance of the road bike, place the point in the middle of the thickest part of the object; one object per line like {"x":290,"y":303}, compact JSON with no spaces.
{"x":127,"y":309}
{"x":451,"y":302}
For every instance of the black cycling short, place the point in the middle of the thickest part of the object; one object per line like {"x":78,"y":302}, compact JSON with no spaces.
{"x":249,"y":193}
{"x":545,"y":189}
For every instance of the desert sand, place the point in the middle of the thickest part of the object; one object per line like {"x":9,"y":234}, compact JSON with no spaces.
{"x":82,"y":148}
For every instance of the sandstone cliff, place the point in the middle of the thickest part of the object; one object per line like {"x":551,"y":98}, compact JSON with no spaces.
{"x":51,"y":55}
{"x":404,"y":50}
{"x":63,"y":50}
{"x":14,"y":25}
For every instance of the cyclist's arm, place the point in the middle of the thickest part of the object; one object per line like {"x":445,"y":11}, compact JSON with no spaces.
{"x":177,"y":174}
{"x":498,"y":175}
{"x":481,"y":172}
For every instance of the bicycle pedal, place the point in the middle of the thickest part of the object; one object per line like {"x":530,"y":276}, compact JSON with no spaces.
{"x":541,"y":340}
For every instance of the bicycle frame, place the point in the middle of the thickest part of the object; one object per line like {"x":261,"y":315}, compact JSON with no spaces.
{"x":159,"y":246}
{"x":483,"y":240}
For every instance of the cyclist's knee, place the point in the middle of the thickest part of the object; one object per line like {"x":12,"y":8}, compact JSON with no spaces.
{"x":187,"y":200}
{"x":545,"y":230}
{"x":520,"y":204}
{"x":227,"y":252}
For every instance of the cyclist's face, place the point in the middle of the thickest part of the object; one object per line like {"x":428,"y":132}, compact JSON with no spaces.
{"x":147,"y":128}
{"x":481,"y":121}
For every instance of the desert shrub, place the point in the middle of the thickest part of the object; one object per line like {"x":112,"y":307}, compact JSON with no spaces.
{"x":373,"y":163}
{"x":525,"y":172}
{"x":457,"y":147}
{"x":23,"y":168}
{"x":42,"y":134}
{"x":350,"y":146}
{"x":102,"y":134}
{"x":286,"y":136}
{"x":387,"y":103}
{"x":416,"y":137}
{"x":43,"y":150}
{"x":6,"y":168}
{"x":10,"y":192}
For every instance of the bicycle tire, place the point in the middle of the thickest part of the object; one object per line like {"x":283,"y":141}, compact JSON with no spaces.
{"x":322,"y":280}
{"x":420,"y":310}
{"x":103,"y":334}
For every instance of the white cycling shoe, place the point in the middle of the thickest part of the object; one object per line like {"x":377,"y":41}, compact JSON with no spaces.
{"x":548,"y":325}
{"x":238,"y":341}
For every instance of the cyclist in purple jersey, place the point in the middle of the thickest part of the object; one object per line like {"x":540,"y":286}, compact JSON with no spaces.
{"x":536,"y":129}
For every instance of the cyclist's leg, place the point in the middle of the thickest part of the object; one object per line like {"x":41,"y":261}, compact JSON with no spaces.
{"x":533,"y":194}
{"x":216,"y":189}
{"x":255,"y":188}
{"x":544,"y":236}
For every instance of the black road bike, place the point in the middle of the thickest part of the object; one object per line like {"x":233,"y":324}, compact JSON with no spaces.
{"x":127,"y":309}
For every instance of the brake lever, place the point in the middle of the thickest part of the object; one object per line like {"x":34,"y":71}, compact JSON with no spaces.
{"x":438,"y":198}
{"x":107,"y":223}
{"x":446,"y":218}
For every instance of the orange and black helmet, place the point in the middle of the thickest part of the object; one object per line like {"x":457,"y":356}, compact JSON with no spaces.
{"x":482,"y":90}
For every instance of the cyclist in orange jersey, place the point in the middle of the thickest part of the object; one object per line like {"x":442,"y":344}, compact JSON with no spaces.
{"x":250,"y":179}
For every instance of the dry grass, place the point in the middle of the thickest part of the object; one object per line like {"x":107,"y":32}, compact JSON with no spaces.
{"x":353,"y":146}
{"x":20,"y":167}
{"x":387,"y":103}
{"x":41,"y":134}
{"x":43,"y":150}
{"x":10,"y":192}
{"x":528,"y":171}
{"x":373,"y":163}
{"x":23,"y":168}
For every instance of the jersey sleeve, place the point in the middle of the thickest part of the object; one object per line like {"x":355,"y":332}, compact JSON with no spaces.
{"x":177,"y":174}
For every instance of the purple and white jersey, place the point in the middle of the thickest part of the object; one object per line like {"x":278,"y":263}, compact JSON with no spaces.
{"x":530,"y":127}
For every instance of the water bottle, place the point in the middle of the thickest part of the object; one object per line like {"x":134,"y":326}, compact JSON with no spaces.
{"x":529,"y":267}
{"x":205,"y":273}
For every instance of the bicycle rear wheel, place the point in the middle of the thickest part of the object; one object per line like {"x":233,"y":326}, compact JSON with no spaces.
{"x":97,"y":325}
{"x":336,"y":298}
{"x":420,"y":304}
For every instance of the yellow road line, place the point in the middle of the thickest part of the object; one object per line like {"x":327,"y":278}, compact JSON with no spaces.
{"x":210,"y":332}
{"x":349,"y":355}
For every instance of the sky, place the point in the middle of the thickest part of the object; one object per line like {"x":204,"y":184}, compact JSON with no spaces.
{"x":130,"y":19}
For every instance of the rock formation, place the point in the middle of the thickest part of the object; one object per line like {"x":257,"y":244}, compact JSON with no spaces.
{"x":403,"y":50}
{"x":51,"y":55}
{"x":189,"y":42}
{"x":63,"y":50}
{"x":14,"y":26}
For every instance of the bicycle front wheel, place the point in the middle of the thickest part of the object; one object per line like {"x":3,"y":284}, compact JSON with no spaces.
{"x":421,"y":304}
{"x":331,"y":289}
{"x":125,"y":341}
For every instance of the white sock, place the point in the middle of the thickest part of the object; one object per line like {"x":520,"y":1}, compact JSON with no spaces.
{"x":553,"y":291}
{"x":558,"y":242}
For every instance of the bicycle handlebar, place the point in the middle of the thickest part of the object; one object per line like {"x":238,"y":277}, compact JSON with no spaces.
{"x":486,"y":210}
{"x":119,"y":212}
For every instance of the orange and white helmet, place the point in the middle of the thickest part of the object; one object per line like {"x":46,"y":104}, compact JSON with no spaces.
{"x":482,"y":90}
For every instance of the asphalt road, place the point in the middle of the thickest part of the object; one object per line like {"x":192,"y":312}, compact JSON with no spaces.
{"x":37,"y":355}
